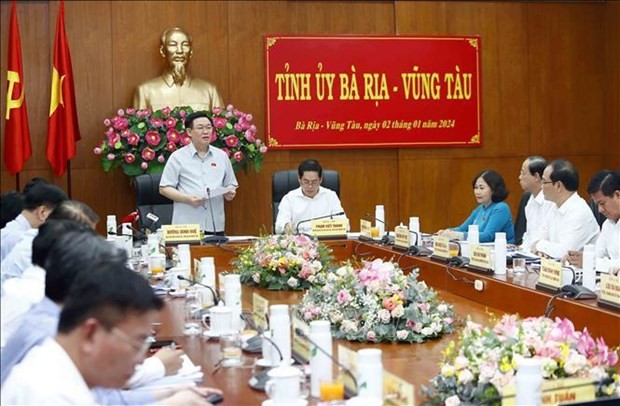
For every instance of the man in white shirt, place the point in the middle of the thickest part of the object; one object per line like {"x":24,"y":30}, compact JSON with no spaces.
{"x":571,"y":224}
{"x":307,"y":202}
{"x":39,"y":201}
{"x":604,"y":188}
{"x":537,"y":207}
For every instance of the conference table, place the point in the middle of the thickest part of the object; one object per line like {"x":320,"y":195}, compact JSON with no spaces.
{"x":414,"y":363}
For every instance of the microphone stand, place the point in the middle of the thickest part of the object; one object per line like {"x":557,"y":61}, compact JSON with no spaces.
{"x":301,"y":333}
{"x":418,"y":249}
{"x":213,"y":239}
{"x":216,"y":297}
{"x":317,"y":218}
{"x":386,"y":239}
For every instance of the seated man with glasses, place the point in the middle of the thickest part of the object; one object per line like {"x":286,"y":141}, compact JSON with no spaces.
{"x":570,"y":224}
{"x":309,"y":201}
{"x":193,"y":169}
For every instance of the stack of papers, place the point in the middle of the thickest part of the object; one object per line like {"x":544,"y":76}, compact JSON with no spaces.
{"x":189,"y":374}
{"x":529,"y":257}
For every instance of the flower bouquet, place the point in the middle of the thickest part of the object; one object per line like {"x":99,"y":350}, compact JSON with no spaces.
{"x":283,"y":262}
{"x":140,"y":141}
{"x":376,"y":302}
{"x":482,"y":364}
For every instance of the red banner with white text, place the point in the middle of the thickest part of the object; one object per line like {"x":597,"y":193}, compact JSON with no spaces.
{"x":373,"y":91}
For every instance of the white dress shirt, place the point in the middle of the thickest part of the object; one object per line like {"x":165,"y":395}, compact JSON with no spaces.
{"x":568,"y":227}
{"x":46,"y":376}
{"x":608,"y":243}
{"x":12,"y":233}
{"x":536,"y":210}
{"x":20,"y":257}
{"x":296,"y":207}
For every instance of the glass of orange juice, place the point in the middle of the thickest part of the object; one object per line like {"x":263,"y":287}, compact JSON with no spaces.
{"x":332,"y":389}
{"x":454,"y":249}
{"x":157,"y":264}
{"x":374,"y":232}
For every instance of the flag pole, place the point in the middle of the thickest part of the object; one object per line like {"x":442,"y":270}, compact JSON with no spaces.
{"x":69,"y":178}
{"x":17,"y":182}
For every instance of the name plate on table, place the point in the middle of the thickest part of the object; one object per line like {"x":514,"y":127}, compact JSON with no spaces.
{"x":329,"y":228}
{"x":365,"y":230}
{"x":300,"y":346}
{"x":550,"y":278}
{"x":480,"y":259}
{"x":401,"y":241}
{"x":558,"y":391}
{"x":441,"y":248}
{"x":397,"y":391}
{"x":182,"y":234}
{"x":260,"y":308}
{"x":348,"y":358}
{"x":609,"y":295}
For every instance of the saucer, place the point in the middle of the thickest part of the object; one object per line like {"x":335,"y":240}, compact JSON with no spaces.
{"x":211,"y":334}
{"x":300,"y":402}
{"x":263,"y":362}
{"x":177,"y":293}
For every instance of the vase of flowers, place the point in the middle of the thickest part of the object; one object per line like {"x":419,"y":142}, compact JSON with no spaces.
{"x":374,"y":302}
{"x":140,"y":141}
{"x":283,"y":262}
{"x":483,"y":362}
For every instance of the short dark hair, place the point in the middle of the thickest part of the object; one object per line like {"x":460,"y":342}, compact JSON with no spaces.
{"x":606,"y":181}
{"x":33,"y":182}
{"x":48,"y":234}
{"x":11,"y":205}
{"x":73,"y":253}
{"x":43,"y":194}
{"x":76,"y":211}
{"x":189,"y":119}
{"x":495,"y":182}
{"x":536,"y":165}
{"x":565,"y":172}
{"x":310,"y":165}
{"x":109,"y":293}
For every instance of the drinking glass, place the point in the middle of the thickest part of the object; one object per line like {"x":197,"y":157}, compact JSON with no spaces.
{"x":192,"y":307}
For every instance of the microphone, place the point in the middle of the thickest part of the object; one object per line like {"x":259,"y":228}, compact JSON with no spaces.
{"x":418,"y":250}
{"x":301,"y":333}
{"x":254,"y":326}
{"x":317,"y":218}
{"x":216,"y":297}
{"x":213,"y":239}
{"x":138,"y":234}
{"x":386,"y":239}
{"x":154,"y":221}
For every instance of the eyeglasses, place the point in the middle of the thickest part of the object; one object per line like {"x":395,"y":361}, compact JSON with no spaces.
{"x":307,"y":182}
{"x":546,"y":182}
{"x":203,"y":128}
{"x":140,"y":347}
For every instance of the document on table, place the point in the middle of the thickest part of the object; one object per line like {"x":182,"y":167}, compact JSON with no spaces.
{"x":219,"y":191}
{"x":189,"y":374}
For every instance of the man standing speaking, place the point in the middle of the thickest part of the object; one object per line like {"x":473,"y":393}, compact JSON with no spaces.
{"x":175,"y":87}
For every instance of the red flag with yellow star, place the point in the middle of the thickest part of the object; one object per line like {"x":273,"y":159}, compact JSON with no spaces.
{"x":17,"y":147}
{"x":63,"y":129}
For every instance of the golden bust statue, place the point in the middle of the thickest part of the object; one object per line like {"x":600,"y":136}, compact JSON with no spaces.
{"x":174,"y":87}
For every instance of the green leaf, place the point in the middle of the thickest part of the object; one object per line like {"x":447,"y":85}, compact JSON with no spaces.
{"x":132,"y":169}
{"x":106,"y":164}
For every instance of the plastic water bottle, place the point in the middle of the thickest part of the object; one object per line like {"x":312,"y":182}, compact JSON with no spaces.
{"x":588,"y":266}
{"x":473,"y":235}
{"x":232,"y":298}
{"x":500,"y":253}
{"x":111,"y":225}
{"x":380,"y":219}
{"x":206,"y":274}
{"x":529,"y":381}
{"x":369,"y":373}
{"x":414,"y":226}
{"x":280,"y":325}
{"x":320,"y":364}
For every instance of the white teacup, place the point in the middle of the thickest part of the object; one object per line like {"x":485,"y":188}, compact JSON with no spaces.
{"x":173,"y":281}
{"x":220,"y":321}
{"x":283,"y":386}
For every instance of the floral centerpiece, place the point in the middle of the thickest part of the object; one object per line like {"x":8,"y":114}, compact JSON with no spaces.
{"x":376,"y":302}
{"x":283,"y":262}
{"x":140,"y":141}
{"x":482,"y":364}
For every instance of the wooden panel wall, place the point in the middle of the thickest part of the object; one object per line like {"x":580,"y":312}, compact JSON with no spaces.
{"x":550,"y":86}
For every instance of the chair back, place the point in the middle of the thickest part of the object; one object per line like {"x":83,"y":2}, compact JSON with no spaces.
{"x":521,"y":220}
{"x":149,"y":200}
{"x":287,"y":180}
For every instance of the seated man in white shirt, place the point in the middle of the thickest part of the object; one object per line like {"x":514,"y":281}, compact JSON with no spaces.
{"x":102,"y":335}
{"x":604,"y":188}
{"x":537,"y":207}
{"x":39,"y":201}
{"x":307,"y":202}
{"x":571,"y":224}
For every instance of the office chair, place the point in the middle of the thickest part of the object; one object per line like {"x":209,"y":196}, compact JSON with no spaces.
{"x":521,"y":221}
{"x":148,"y":200}
{"x":284,"y":181}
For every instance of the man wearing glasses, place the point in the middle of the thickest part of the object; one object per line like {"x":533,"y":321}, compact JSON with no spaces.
{"x":571,"y":224}
{"x":309,"y":201}
{"x":193,"y":173}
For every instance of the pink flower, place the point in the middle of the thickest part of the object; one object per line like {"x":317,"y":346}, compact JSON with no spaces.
{"x":213,"y":136}
{"x":216,"y":110}
{"x":120,"y":112}
{"x":238,"y":127}
{"x":120,"y":123}
{"x":219,"y":122}
{"x":148,"y":154}
{"x":229,"y":114}
{"x":182,"y":113}
{"x":144,"y":165}
{"x":185,"y":139}
{"x":389,"y":303}
{"x":173,"y":135}
{"x":249,"y":136}
{"x":110,"y":157}
{"x":125,"y":133}
{"x":107,"y":122}
{"x":113,"y":139}
{"x":157,"y":122}
{"x":249,"y":117}
{"x":171,"y":147}
{"x":165,"y":111}
{"x":231,"y":141}
{"x":133,"y":139}
{"x":229,"y":107}
{"x":130,"y":158}
{"x":130,"y":111}
{"x":171,"y":122}
{"x":97,"y":151}
{"x":152,"y":137}
{"x":161,"y":159}
{"x":238,"y":156}
{"x":371,"y":336}
{"x":343,"y":297}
